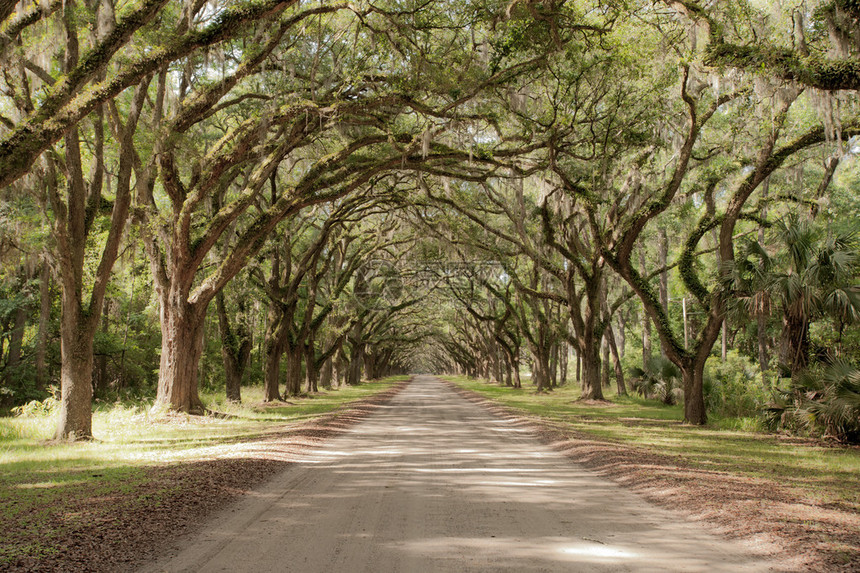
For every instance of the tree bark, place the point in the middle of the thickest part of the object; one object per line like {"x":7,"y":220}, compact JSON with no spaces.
{"x":312,"y":374}
{"x":76,"y":372}
{"x":182,"y":327}
{"x":590,"y":352}
{"x":540,"y":369}
{"x":294,"y":369}
{"x":100,"y":381}
{"x":694,"y":398}
{"x":271,"y":391}
{"x":604,"y":361}
{"x":589,"y":346}
{"x":275,"y":343}
{"x":563,"y":356}
{"x":326,"y":374}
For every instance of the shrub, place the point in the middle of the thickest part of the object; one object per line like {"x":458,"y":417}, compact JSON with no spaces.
{"x":734,"y":387}
{"x":660,"y":379}
{"x":35,"y":408}
{"x":823,"y":401}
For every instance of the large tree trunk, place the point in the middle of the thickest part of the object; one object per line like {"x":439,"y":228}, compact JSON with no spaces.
{"x":271,"y":391}
{"x":341,"y":366}
{"x":518,"y":383}
{"x":589,"y":333}
{"x":495,"y":363}
{"x":604,"y":361}
{"x":353,"y":377}
{"x":326,"y":374}
{"x":76,"y":374}
{"x":540,"y":369}
{"x":71,"y":227}
{"x":233,"y":373}
{"x":294,"y":369}
{"x":275,"y":341}
{"x":590,"y":352}
{"x":182,"y":326}
{"x":693,"y":373}
{"x":312,"y":374}
{"x":589,"y":345}
{"x":564,"y":353}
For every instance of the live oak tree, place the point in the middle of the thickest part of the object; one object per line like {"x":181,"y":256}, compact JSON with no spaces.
{"x":346,"y":113}
{"x":781,"y":138}
{"x":84,"y":185}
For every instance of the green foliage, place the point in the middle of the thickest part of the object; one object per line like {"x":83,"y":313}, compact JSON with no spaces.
{"x":37,"y":408}
{"x":734,"y":387}
{"x":822,"y":401}
{"x":659,"y":379}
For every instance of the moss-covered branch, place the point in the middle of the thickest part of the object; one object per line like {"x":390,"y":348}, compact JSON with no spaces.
{"x":824,"y":74}
{"x":63,"y":109}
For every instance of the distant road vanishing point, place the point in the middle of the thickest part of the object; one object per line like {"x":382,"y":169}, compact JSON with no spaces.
{"x":433,"y":482}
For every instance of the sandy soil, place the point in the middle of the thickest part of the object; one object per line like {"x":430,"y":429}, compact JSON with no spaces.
{"x":434,"y":482}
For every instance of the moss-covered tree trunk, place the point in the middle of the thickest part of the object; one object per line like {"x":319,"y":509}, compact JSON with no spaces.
{"x":693,"y":373}
{"x":182,"y":327}
{"x":77,"y":333}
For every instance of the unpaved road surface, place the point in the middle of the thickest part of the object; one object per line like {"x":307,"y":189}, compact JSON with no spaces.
{"x":434,"y":482}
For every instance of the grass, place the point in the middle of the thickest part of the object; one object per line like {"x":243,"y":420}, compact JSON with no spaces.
{"x":816,"y":470}
{"x":37,"y":476}
{"x":126,"y":435}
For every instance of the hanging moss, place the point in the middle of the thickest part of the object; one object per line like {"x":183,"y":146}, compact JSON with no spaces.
{"x":823,"y":74}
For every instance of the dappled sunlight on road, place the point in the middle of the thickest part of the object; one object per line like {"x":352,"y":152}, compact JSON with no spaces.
{"x":432,"y":482}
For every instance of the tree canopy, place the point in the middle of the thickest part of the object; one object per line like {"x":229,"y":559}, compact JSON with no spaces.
{"x":553,"y":189}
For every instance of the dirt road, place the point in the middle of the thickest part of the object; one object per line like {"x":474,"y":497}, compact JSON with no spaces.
{"x":436,"y":483}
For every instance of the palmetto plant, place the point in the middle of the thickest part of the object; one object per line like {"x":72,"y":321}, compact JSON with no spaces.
{"x":660,"y":379}
{"x":820,"y":400}
{"x":817,"y":279}
{"x":810,"y":278}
